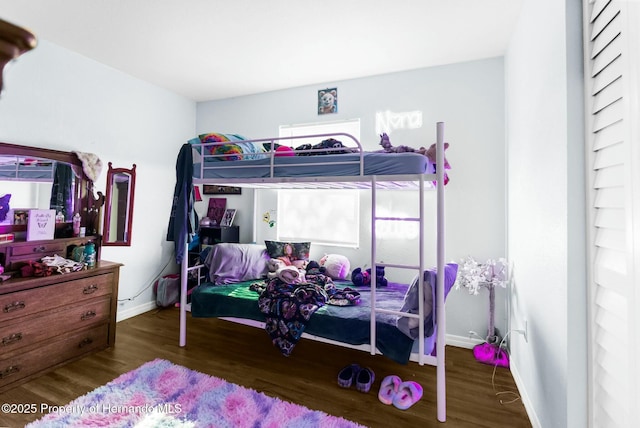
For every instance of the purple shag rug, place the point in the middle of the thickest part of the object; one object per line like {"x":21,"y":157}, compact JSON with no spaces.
{"x":162,"y":394}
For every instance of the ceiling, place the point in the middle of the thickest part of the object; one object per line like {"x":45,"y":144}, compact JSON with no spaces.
{"x":216,"y":49}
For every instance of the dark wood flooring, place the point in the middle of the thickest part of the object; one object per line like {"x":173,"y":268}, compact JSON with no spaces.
{"x":245,"y":356}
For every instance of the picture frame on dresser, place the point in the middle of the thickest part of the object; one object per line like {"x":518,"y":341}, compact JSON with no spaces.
{"x":227,"y":219}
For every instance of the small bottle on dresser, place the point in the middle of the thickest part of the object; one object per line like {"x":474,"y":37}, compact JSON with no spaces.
{"x":76,"y":224}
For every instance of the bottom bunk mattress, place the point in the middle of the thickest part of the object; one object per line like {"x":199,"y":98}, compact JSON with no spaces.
{"x":346,"y":324}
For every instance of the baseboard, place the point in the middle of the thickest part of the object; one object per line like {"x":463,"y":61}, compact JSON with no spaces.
{"x":136,"y":310}
{"x":462,"y":341}
{"x":528,"y":406}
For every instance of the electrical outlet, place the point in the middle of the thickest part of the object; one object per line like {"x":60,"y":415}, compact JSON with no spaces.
{"x":524,"y":331}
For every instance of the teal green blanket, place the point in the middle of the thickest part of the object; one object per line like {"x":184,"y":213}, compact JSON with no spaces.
{"x":347,"y":324}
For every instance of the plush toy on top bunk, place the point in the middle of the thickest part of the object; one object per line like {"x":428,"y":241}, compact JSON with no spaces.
{"x":430,"y":153}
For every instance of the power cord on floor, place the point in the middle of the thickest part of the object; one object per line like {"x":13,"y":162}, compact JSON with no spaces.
{"x":493,"y":384}
{"x":155,"y":278}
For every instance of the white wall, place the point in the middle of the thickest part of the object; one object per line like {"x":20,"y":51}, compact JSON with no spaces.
{"x":468,"y":97}
{"x":58,"y":99}
{"x":546,"y":234}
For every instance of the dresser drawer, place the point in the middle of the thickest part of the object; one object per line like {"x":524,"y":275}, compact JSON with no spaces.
{"x":27,"y":302}
{"x":38,"y":249}
{"x":26,"y":331}
{"x":15,"y":366}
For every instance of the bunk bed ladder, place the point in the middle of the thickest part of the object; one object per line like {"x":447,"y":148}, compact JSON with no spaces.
{"x":440,"y":253}
{"x":419,"y":267}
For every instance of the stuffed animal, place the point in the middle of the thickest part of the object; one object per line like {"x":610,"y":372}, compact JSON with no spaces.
{"x":363,"y":278}
{"x":327,"y":101}
{"x":4,"y":206}
{"x":336,"y":266}
{"x":430,"y":153}
{"x":286,"y":273}
{"x":360,"y":277}
{"x":381,"y":281}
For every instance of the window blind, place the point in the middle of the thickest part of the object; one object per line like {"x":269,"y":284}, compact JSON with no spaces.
{"x":611,"y":94}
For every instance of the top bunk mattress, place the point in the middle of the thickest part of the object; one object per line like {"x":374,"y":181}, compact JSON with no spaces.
{"x":336,"y":165}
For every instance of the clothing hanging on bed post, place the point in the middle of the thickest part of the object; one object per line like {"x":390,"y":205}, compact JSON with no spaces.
{"x":183,"y":220}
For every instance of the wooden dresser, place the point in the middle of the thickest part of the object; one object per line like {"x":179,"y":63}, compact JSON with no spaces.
{"x":46,"y":322}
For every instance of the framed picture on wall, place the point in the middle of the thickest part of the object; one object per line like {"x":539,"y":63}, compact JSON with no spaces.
{"x":209,"y":189}
{"x":227,"y":219}
{"x":328,"y":101}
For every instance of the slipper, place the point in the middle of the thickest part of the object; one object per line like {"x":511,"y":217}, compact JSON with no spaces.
{"x":408,"y":394}
{"x":365,"y":379}
{"x":389,"y":388}
{"x":347,"y":375}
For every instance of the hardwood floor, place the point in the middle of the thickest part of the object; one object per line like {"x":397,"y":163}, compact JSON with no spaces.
{"x":245,"y":356}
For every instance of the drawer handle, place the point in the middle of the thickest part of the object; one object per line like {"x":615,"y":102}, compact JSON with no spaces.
{"x":9,"y":371}
{"x":40,"y":249}
{"x":85,"y":342}
{"x":14,"y":306}
{"x":90,"y":289}
{"x":15,"y":337}
{"x":88,"y":315}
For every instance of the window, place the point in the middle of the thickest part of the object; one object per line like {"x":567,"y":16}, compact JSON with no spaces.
{"x":323,"y":216}
{"x":351,"y":127}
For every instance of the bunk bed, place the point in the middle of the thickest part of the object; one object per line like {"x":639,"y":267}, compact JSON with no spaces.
{"x":341,"y":167}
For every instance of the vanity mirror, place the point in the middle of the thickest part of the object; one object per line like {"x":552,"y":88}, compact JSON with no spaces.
{"x":47,"y":179}
{"x":118,"y":214}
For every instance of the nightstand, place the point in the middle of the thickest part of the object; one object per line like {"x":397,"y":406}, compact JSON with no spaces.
{"x":216,"y":234}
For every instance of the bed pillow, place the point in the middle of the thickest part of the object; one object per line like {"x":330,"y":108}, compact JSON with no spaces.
{"x":237,"y":148}
{"x":230,"y":263}
{"x":291,"y":250}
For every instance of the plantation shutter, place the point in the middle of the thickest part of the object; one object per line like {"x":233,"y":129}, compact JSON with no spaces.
{"x":612,"y":117}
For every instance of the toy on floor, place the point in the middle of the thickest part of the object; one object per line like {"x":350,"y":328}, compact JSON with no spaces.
{"x":361,"y":277}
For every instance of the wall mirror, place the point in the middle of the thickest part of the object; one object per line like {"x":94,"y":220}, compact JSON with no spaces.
{"x":118,"y":212}
{"x":47,"y":179}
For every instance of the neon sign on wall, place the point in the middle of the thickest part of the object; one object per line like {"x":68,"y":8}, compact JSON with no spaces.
{"x":387,"y":121}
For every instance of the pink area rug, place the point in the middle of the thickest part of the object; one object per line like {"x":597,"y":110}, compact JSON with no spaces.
{"x":162,"y":394}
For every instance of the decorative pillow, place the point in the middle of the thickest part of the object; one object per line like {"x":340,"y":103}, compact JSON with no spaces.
{"x":291,"y":251}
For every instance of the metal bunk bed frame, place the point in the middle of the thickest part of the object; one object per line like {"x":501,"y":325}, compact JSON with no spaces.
{"x":373,"y":183}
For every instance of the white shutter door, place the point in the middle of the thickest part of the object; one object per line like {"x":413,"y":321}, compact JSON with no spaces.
{"x":612,"y":154}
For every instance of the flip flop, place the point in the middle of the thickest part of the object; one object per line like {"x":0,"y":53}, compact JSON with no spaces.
{"x":347,"y":375}
{"x":389,"y":388}
{"x":408,"y":394}
{"x":365,"y":379}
